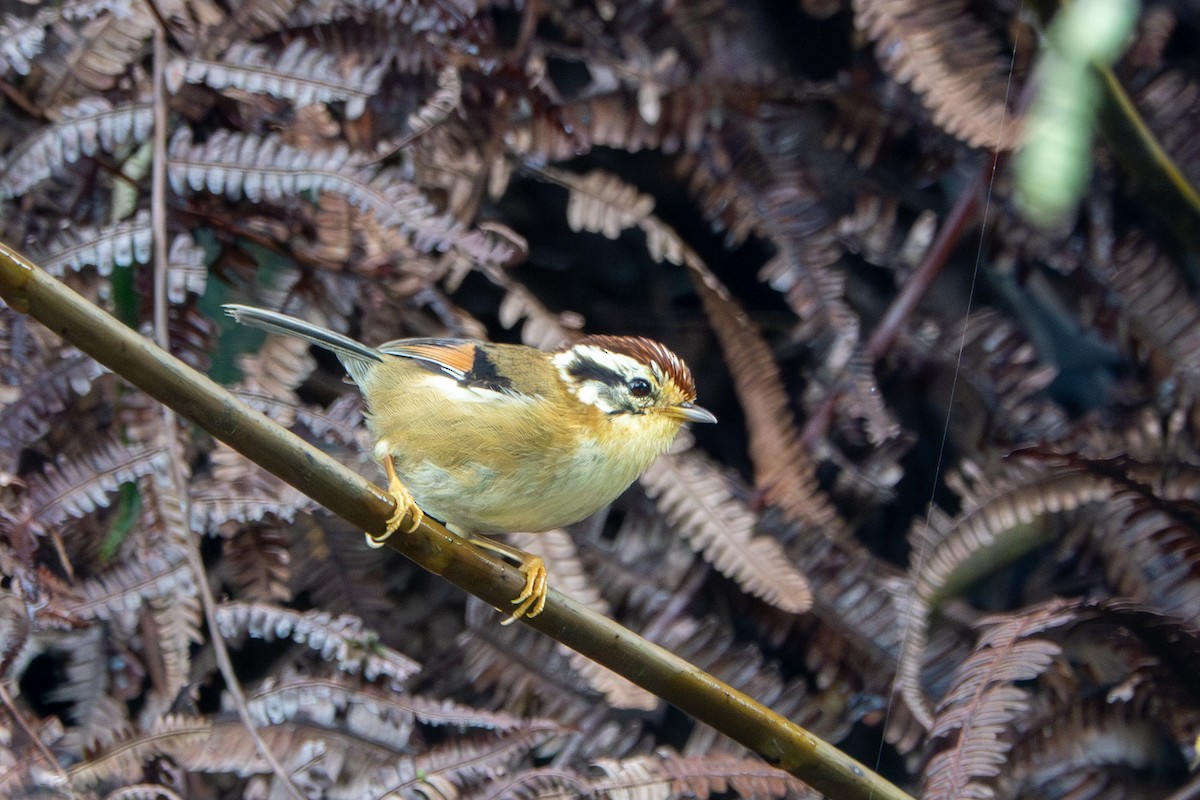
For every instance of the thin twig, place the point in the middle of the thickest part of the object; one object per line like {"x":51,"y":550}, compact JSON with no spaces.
{"x":158,"y":220}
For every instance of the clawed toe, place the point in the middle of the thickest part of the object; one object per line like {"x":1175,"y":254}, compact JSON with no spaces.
{"x":532,"y":598}
{"x":405,"y":506}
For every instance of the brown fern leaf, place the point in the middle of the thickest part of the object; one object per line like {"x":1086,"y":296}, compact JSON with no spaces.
{"x":102,"y":51}
{"x":267,"y":169}
{"x":517,"y":666}
{"x":1007,"y":375}
{"x":187,"y":269}
{"x":1169,"y":102}
{"x":118,"y":593}
{"x":300,"y":73}
{"x":97,"y":718}
{"x":84,"y":129}
{"x":612,"y":120}
{"x":1157,"y":303}
{"x":315,"y":750}
{"x":949,"y":60}
{"x":124,"y":760}
{"x":241,"y":490}
{"x":602,"y":203}
{"x":81,"y":483}
{"x":434,"y":111}
{"x":173,"y":627}
{"x":975,"y":718}
{"x":340,"y":575}
{"x":568,"y":576}
{"x":323,"y":698}
{"x":698,"y":502}
{"x":1072,"y":752}
{"x":873,"y":231}
{"x":1150,"y":544}
{"x":343,"y":640}
{"x":782,"y":468}
{"x":280,"y":365}
{"x":121,"y":244}
{"x":444,"y":770}
{"x":1001,"y":518}
{"x":257,"y":563}
{"x":45,"y":390}
{"x":540,"y":783}
{"x":669,"y":774}
{"x":23,"y":38}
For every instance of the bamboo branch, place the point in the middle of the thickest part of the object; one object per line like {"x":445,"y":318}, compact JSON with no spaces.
{"x":30,"y":290}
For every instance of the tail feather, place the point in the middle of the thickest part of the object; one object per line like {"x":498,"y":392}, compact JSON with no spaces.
{"x":355,"y":356}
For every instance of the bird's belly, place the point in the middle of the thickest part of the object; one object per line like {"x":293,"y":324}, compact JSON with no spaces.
{"x":473,"y":497}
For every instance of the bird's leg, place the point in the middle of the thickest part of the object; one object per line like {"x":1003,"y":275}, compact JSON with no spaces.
{"x":404,"y":505}
{"x":532,"y":599}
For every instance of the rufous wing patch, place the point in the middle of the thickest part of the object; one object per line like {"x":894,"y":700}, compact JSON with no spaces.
{"x":455,"y":357}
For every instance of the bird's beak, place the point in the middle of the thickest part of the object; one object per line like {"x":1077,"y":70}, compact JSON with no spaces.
{"x":694,"y":413}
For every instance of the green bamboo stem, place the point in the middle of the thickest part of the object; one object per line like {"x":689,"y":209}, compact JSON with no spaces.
{"x":30,"y":290}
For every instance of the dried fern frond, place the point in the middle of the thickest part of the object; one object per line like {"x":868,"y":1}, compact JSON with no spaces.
{"x":301,"y":74}
{"x":257,"y":563}
{"x":119,"y":593}
{"x":568,"y":576}
{"x":325,"y":699}
{"x":602,"y":203}
{"x":444,"y":770}
{"x":343,"y":640}
{"x":1169,"y":102}
{"x":97,"y":718}
{"x":1150,"y":545}
{"x":698,"y":502}
{"x":22,"y":38}
{"x":81,"y":483}
{"x":949,"y":60}
{"x":516,"y":666}
{"x":669,"y":774}
{"x":1001,"y":518}
{"x":44,"y":392}
{"x":102,"y":51}
{"x":117,"y":245}
{"x":976,"y":716}
{"x":1157,"y":303}
{"x":123,"y":761}
{"x":280,"y":365}
{"x":340,"y":575}
{"x":241,"y":490}
{"x":259,"y":169}
{"x":187,"y":269}
{"x":174,"y":624}
{"x":83,"y":129}
{"x":782,"y":468}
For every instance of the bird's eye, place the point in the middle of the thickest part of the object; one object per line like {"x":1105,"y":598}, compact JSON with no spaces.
{"x":639,"y":387}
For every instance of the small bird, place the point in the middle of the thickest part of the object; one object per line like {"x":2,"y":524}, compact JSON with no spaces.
{"x":500,"y":438}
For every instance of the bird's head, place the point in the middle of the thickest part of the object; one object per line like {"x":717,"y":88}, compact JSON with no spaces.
{"x":631,"y":379}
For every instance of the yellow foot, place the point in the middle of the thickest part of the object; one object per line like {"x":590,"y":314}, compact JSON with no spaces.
{"x":532,"y":599}
{"x":405,"y":506}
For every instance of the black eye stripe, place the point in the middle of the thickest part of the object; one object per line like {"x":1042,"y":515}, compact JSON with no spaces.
{"x":585,"y":369}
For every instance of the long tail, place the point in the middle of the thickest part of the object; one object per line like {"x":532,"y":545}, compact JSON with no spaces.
{"x":358,"y":359}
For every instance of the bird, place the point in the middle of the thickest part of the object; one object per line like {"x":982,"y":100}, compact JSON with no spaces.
{"x":494,"y":438}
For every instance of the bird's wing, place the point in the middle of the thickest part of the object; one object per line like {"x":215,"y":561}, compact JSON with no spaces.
{"x":467,"y":362}
{"x":454,"y":357}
